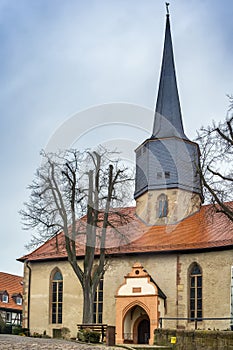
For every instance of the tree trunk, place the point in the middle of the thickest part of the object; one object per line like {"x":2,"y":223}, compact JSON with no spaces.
{"x":88,"y":300}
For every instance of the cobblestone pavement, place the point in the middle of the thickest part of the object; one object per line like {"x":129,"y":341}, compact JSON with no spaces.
{"x":14,"y":342}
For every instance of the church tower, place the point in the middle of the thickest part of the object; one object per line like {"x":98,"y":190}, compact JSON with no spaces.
{"x":168,"y":187}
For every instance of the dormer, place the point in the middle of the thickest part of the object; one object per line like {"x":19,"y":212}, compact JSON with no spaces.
{"x":4,"y":296}
{"x":18,"y":299}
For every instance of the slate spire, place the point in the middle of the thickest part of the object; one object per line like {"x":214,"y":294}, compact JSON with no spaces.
{"x":166,"y":164}
{"x":168,"y":119}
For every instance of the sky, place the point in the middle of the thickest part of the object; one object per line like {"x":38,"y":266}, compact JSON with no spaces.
{"x":60,"y":58}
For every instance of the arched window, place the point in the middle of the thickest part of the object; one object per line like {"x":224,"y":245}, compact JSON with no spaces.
{"x":195,"y":292}
{"x":162,"y":206}
{"x":56,"y":296}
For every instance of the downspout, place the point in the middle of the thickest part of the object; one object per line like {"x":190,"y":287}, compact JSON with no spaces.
{"x":29,"y":293}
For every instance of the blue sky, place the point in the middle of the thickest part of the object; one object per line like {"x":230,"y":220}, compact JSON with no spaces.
{"x":59,"y":57}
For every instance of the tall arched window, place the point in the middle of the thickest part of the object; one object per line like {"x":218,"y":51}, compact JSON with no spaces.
{"x":162,"y":206}
{"x":98,"y":303}
{"x":56,"y":296}
{"x":195,"y":292}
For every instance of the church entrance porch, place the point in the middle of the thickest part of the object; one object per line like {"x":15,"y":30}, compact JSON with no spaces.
{"x":139,"y":304}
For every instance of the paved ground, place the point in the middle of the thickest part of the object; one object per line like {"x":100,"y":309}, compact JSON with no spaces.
{"x":14,"y":342}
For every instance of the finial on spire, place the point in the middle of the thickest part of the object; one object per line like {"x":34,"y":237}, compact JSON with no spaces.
{"x":167,"y":4}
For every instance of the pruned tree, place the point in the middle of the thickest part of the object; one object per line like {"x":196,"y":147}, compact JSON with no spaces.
{"x":216,"y":145}
{"x":66,"y":187}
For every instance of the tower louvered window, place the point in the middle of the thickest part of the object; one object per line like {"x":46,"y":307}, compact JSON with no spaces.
{"x":195,"y":287}
{"x":57,"y":297}
{"x":162,"y":206}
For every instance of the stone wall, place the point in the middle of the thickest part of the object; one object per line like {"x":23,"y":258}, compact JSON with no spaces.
{"x":146,"y":208}
{"x":195,"y":340}
{"x":169,"y":271}
{"x":40,"y":312}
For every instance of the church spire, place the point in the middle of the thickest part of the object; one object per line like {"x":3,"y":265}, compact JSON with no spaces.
{"x":168,"y":119}
{"x":167,"y":185}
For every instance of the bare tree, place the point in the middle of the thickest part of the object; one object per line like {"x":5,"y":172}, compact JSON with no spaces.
{"x":67,"y":186}
{"x":216,"y":145}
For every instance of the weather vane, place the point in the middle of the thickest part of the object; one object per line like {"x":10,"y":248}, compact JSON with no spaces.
{"x":167,"y":4}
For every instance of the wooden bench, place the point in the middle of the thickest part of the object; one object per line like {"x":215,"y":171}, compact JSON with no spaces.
{"x":94,"y":327}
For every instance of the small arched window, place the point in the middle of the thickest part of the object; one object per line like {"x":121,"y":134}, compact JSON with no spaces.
{"x":195,"y":292}
{"x":162,"y":206}
{"x":56,"y":296}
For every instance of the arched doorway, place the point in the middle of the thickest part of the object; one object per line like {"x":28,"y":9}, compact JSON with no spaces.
{"x":132,"y":319}
{"x":144,"y":331}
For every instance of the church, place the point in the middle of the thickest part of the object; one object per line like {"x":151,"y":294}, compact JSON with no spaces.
{"x":177,"y":269}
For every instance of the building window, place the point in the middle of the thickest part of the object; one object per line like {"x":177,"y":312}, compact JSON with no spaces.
{"x":8,"y":317}
{"x":5,"y":298}
{"x":18,"y":300}
{"x":195,"y":292}
{"x":162,"y":206}
{"x":162,"y":175}
{"x":98,"y":303}
{"x":56,"y":297}
{"x":16,"y":318}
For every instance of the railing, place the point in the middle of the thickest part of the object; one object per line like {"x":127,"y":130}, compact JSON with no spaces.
{"x":195,"y":320}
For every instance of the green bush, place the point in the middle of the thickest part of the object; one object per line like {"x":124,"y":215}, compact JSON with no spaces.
{"x":16,"y":330}
{"x":88,"y":336}
{"x":94,"y":337}
{"x":65,"y":333}
{"x":81,"y":335}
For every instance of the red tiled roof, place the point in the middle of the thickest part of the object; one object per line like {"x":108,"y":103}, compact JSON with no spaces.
{"x":13,"y":285}
{"x":205,"y":229}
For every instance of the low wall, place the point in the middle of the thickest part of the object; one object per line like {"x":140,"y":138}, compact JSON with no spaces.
{"x":195,"y":340}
